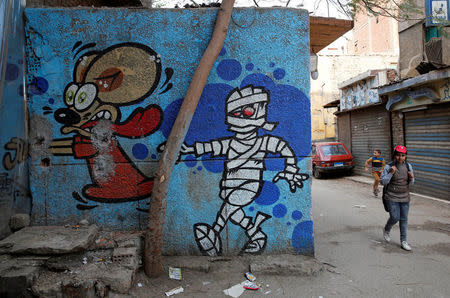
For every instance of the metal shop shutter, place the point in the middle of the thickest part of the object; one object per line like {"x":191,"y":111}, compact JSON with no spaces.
{"x":370,"y":130}
{"x":427,"y":137}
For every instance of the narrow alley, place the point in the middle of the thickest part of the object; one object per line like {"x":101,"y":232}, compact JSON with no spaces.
{"x":348,"y":241}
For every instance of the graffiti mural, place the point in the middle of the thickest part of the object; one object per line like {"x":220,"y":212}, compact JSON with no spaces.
{"x":101,"y":109}
{"x":242,"y":178}
{"x":121,"y":75}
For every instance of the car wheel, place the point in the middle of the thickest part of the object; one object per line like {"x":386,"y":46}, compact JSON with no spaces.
{"x":316,"y":173}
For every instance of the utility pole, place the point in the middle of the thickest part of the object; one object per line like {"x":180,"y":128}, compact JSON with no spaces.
{"x":158,"y":201}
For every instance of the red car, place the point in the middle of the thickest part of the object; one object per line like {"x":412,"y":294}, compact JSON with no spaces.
{"x":331,"y":157}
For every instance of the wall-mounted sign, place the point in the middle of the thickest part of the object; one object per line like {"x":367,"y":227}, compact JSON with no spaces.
{"x":436,"y":12}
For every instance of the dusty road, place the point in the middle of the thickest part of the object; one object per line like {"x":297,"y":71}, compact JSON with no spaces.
{"x":348,"y":223}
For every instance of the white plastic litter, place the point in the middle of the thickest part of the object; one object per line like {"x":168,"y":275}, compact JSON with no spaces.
{"x":236,"y":290}
{"x":360,"y":206}
{"x":84,"y":261}
{"x":139,"y":285}
{"x":206,"y":283}
{"x":174,"y":291}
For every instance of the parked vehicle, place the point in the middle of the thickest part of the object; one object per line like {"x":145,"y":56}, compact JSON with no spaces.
{"x":329,"y":157}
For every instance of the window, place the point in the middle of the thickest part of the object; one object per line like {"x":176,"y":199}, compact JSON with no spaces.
{"x":337,"y":149}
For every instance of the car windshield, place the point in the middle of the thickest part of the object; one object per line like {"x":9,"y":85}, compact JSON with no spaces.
{"x":336,"y":149}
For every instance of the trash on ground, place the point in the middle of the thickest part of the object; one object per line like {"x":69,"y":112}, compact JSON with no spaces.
{"x":250,"y":276}
{"x":174,"y":291}
{"x":175,"y":273}
{"x":236,"y":290}
{"x":248,"y":285}
{"x":139,"y":285}
{"x":206,"y":283}
{"x":360,"y":206}
{"x":375,"y":241}
{"x":333,"y":271}
{"x":265,"y":293}
{"x":84,"y":261}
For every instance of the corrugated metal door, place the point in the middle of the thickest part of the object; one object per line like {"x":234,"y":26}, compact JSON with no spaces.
{"x":427,"y":137}
{"x":370,"y":129}
{"x":344,"y":131}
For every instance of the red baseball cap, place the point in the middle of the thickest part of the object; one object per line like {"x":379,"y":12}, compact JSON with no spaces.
{"x":400,"y":148}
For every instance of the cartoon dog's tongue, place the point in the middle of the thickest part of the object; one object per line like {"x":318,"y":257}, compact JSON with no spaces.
{"x":142,"y":122}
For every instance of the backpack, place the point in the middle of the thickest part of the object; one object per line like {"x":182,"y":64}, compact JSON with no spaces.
{"x":384,"y":199}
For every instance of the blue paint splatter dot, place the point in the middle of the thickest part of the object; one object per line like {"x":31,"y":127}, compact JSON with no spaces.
{"x":269,"y":194}
{"x":249,"y":66}
{"x":12,"y":72}
{"x":296,"y":215}
{"x":272,"y":64}
{"x":229,"y":69}
{"x":303,"y":238}
{"x":51,"y":101}
{"x":38,"y":86}
{"x":193,"y":172}
{"x":251,"y":208}
{"x":223,"y":51}
{"x":279,"y":210}
{"x":279,"y":73}
{"x":258,"y":69}
{"x":191,"y":161}
{"x":140,"y":151}
{"x":153,"y":156}
{"x":288,"y":223}
{"x":20,"y":90}
{"x":199,"y":168}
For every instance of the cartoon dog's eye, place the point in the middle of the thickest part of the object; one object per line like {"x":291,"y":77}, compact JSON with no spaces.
{"x":69,"y":96}
{"x":85,"y":96}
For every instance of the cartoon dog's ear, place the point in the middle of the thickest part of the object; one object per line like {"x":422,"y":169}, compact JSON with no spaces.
{"x":81,"y":66}
{"x":125,"y":74}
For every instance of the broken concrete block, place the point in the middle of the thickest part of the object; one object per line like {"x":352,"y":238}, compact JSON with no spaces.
{"x":19,"y":221}
{"x":17,"y":277}
{"x":127,"y":257}
{"x":48,"y":240}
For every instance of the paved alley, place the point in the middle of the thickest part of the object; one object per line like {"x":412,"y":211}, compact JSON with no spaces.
{"x":348,"y":222}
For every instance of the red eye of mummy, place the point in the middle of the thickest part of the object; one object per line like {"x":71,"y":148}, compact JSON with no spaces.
{"x":236,"y":113}
{"x":249,"y":111}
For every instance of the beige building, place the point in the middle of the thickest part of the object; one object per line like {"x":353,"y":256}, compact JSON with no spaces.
{"x":372,"y":44}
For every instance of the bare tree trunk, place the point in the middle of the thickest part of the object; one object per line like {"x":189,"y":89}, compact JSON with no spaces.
{"x":147,"y":3}
{"x":158,"y":201}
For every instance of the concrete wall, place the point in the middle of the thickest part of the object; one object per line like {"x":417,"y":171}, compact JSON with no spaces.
{"x":374,"y":34}
{"x":14,"y":196}
{"x":105,"y":88}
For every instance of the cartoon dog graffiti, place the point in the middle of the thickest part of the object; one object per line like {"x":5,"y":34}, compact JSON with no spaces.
{"x":242,"y":179}
{"x":123,"y":74}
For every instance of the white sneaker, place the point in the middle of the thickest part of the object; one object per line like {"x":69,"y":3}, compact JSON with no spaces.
{"x":406,"y":246}
{"x":386,"y":236}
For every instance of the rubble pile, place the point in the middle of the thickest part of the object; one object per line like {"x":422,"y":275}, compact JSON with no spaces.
{"x":62,"y":261}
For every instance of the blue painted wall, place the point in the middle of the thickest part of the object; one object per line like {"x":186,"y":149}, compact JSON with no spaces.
{"x":133,"y":67}
{"x":14,"y":195}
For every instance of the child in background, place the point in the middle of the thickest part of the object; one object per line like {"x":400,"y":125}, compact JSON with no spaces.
{"x":377,"y":167}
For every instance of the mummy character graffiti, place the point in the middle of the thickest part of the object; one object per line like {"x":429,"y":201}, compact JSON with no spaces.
{"x":104,"y":81}
{"x":242,"y":178}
